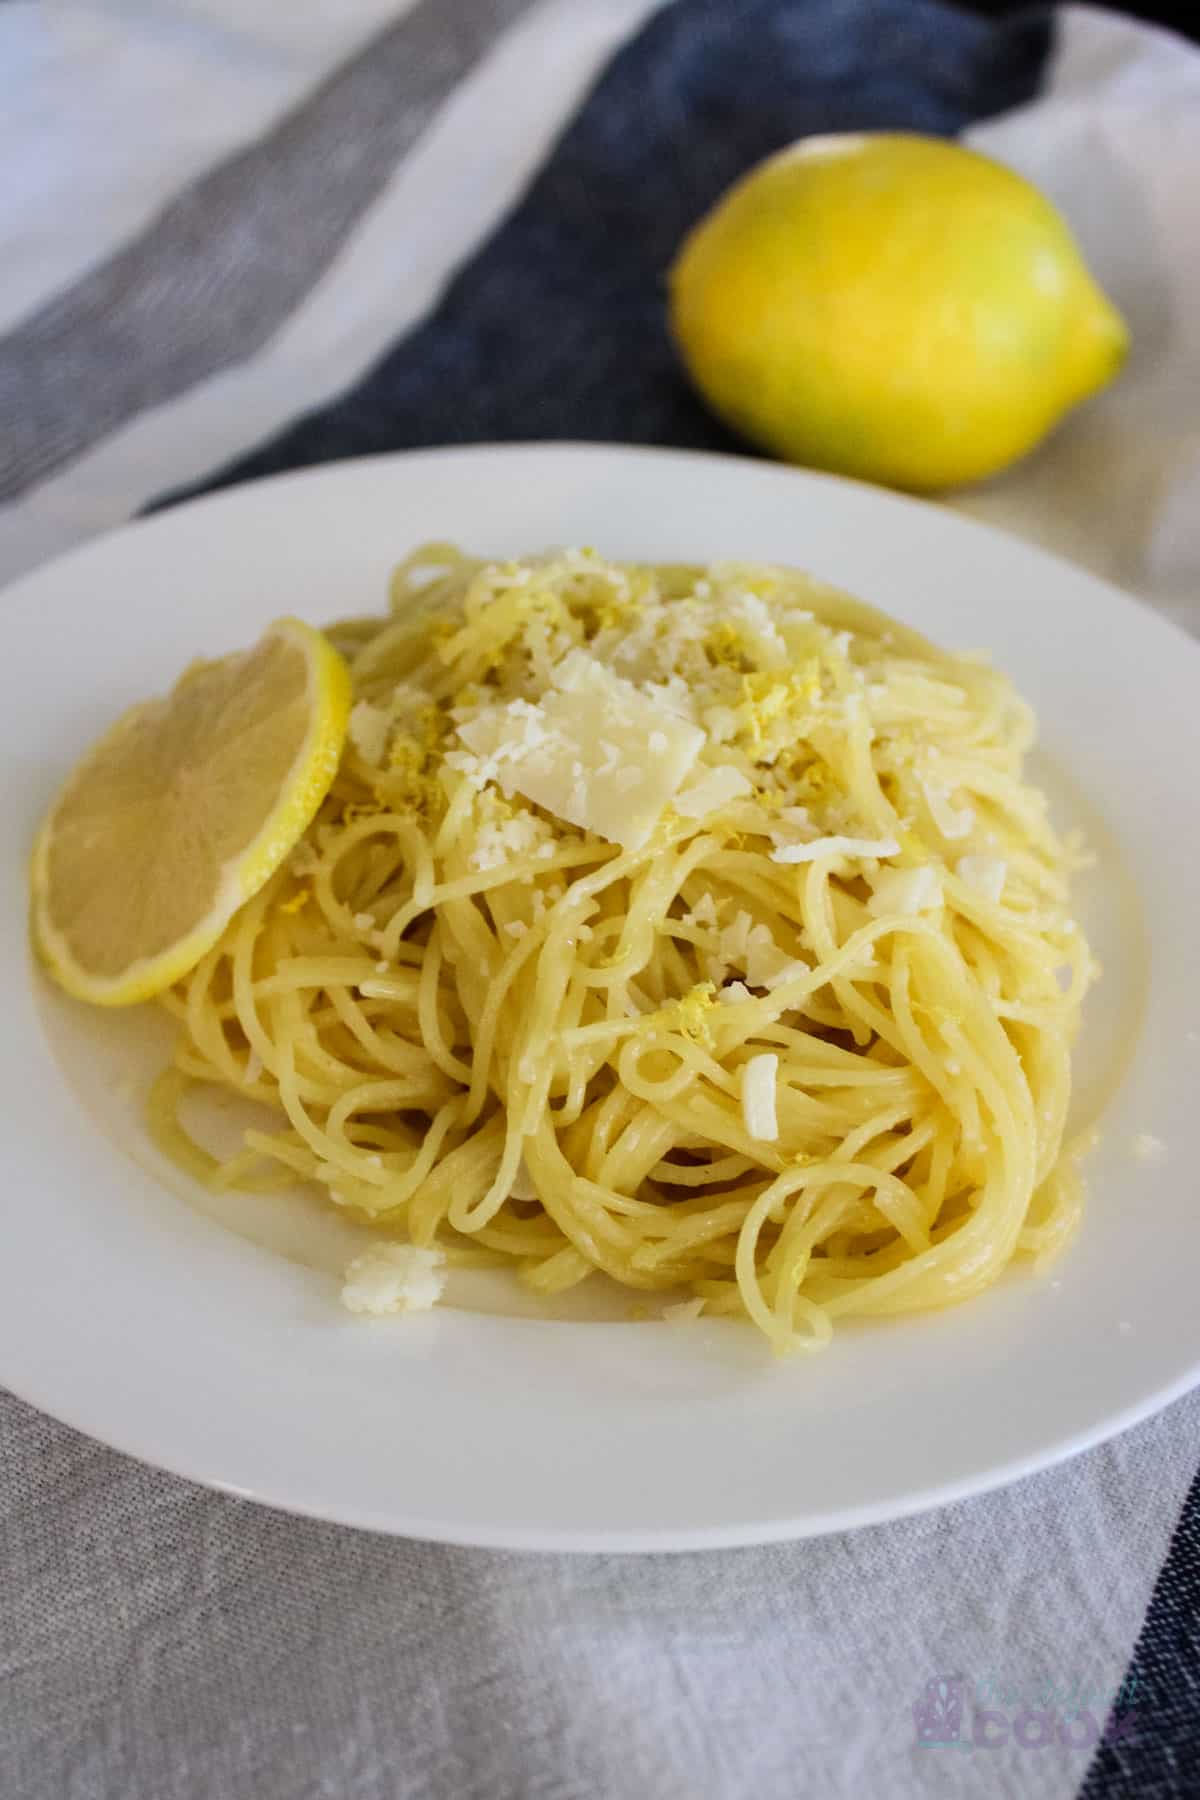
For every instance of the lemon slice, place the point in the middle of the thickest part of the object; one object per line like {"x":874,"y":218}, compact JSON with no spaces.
{"x":182,"y":812}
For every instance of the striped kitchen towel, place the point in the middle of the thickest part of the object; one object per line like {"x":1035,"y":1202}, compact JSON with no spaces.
{"x":238,"y":238}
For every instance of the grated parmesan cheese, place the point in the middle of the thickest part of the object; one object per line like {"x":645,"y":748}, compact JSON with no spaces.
{"x":835,"y":846}
{"x":1149,"y":1149}
{"x":498,"y":841}
{"x":367,"y":729}
{"x":751,"y":948}
{"x":674,"y":693}
{"x":759,"y":1077}
{"x":721,"y":723}
{"x":758,"y":629}
{"x":394,"y":1278}
{"x":704,"y":912}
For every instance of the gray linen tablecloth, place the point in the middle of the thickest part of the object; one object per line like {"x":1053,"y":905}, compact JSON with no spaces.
{"x":229,"y":235}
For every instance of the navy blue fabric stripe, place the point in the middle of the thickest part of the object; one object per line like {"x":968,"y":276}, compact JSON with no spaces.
{"x":1151,"y":1750}
{"x":556,"y":327}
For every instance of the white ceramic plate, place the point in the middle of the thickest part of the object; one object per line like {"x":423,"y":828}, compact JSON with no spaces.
{"x":129,"y":1313}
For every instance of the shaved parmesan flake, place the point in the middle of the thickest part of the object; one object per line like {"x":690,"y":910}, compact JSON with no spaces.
{"x":835,"y":846}
{"x":561,"y":754}
{"x":710,"y":789}
{"x":905,"y":891}
{"x":394,"y":1278}
{"x":986,"y":874}
{"x":759,"y":1077}
{"x":684,"y":1312}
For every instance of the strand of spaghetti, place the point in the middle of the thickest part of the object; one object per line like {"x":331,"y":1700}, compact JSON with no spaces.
{"x":204,"y":1023}
{"x":392,"y":1053}
{"x":579,"y":1211}
{"x":467,"y":886}
{"x":400,"y":1189}
{"x":522,"y":953}
{"x":436,"y":1047}
{"x":692,"y":1234}
{"x":697,"y":1175}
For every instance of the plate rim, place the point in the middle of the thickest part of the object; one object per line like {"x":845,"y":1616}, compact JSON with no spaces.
{"x":533,"y":448}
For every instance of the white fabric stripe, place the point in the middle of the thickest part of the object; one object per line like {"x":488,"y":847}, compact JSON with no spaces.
{"x":441,"y":201}
{"x":107,"y":107}
{"x":232,"y":255}
{"x":1114,"y":142}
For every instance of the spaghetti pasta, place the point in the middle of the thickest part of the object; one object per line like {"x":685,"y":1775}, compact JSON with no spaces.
{"x":604,"y":839}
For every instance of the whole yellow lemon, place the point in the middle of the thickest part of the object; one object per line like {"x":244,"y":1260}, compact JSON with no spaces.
{"x":891,"y":306}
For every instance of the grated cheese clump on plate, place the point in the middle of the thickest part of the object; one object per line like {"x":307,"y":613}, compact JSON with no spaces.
{"x":394,"y":1278}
